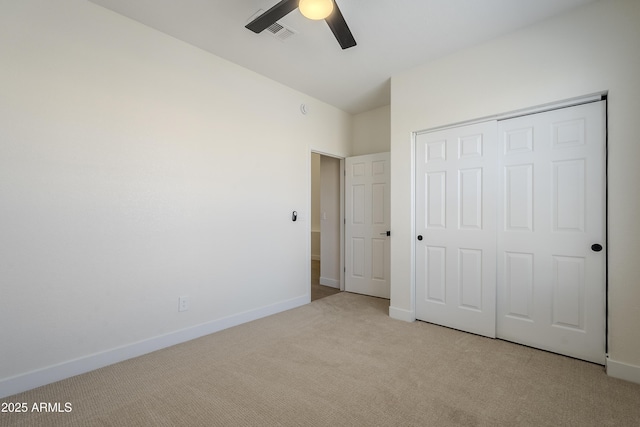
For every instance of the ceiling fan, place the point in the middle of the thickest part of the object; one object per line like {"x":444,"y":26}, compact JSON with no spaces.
{"x":331,"y":15}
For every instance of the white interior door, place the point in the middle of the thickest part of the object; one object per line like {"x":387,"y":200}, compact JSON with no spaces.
{"x":367,"y":202}
{"x":551,"y":284}
{"x":456,"y":182}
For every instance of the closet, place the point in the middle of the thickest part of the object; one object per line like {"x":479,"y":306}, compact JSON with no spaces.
{"x":510,"y":229}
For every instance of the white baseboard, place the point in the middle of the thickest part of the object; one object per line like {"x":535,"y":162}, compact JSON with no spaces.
{"x":623,"y":371}
{"x":23,"y":382}
{"x":402,"y":314}
{"x":330,"y":282}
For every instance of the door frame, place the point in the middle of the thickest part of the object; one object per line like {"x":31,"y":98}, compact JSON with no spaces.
{"x":310,"y":152}
{"x":572,"y":102}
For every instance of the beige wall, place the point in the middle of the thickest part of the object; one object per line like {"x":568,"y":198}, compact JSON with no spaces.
{"x":331,"y":253}
{"x":315,"y":206}
{"x":372,"y":131}
{"x":135,"y":169}
{"x":592,"y":49}
{"x":315,"y":191}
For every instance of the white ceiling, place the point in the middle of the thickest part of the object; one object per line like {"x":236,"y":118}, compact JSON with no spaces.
{"x":392,"y":36}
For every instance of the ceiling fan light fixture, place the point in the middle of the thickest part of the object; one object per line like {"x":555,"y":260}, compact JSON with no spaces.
{"x":316,"y":9}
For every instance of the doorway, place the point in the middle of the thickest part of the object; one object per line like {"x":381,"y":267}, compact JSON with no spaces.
{"x":326,"y":230}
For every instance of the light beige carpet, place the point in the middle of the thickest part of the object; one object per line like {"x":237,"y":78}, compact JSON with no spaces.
{"x":340,"y":361}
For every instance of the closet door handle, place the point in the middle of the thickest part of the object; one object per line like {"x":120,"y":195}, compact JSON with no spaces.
{"x":596,"y":247}
{"x":419,"y":236}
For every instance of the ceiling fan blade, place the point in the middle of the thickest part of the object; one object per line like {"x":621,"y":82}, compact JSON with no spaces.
{"x":340,"y":28}
{"x":268,"y":18}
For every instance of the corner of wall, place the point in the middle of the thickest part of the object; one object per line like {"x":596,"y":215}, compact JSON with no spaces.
{"x":402,"y":314}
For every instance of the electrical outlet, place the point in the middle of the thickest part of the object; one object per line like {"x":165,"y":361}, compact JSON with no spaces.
{"x":183,"y":303}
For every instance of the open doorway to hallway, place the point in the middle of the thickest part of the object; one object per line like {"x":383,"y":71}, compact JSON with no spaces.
{"x":326,"y":254}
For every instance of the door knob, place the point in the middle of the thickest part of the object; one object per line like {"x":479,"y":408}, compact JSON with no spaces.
{"x":596,"y":247}
{"x":419,"y":236}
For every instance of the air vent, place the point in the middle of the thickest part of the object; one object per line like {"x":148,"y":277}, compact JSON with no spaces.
{"x":275,"y":27}
{"x":280,"y":32}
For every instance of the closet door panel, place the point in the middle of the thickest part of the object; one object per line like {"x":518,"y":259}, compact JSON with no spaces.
{"x":456,"y":179}
{"x":551,"y":284}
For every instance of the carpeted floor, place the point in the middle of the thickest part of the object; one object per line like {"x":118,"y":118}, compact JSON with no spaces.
{"x":340,"y":361}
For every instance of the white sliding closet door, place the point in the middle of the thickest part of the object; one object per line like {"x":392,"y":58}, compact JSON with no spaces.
{"x":456,"y":182}
{"x":510,"y":229}
{"x":551,"y":282}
